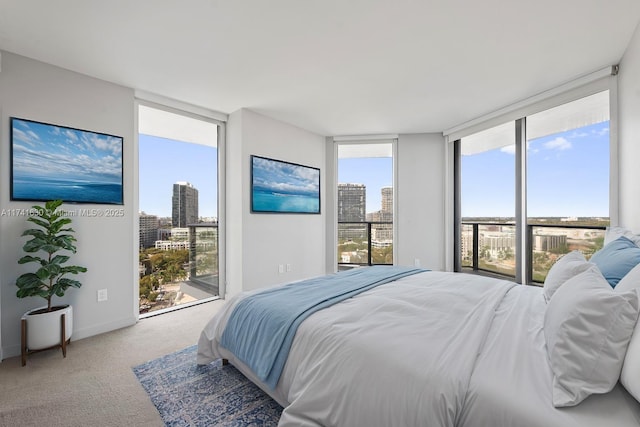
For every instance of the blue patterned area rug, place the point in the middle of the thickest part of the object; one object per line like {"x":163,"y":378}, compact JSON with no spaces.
{"x":187,"y":394}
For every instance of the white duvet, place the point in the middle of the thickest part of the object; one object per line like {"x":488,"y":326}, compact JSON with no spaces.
{"x":433,"y":349}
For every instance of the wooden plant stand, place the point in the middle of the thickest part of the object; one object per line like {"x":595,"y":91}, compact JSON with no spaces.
{"x":64,"y":341}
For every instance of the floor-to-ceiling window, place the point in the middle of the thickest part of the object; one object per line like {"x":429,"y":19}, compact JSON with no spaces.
{"x":178,"y":202}
{"x":488,"y":191}
{"x":567,"y":180}
{"x":534,"y":188}
{"x":365,"y":203}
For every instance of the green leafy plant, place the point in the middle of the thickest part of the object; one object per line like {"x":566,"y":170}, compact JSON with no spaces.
{"x":50,"y":238}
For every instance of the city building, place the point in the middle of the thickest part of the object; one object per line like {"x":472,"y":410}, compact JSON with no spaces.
{"x":382,"y":234}
{"x":466,"y":244}
{"x":352,"y":202}
{"x":177,"y":238}
{"x":498,"y":243}
{"x":352,"y":205}
{"x":179,"y":233}
{"x":385,"y":214}
{"x":387,"y":201}
{"x":148,"y":230}
{"x":184,"y":204}
{"x":168,"y":245}
{"x":548,"y":242}
{"x":202,"y":236}
{"x":163,"y":234}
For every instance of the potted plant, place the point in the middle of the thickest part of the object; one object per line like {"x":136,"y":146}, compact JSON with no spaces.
{"x":52,"y":325}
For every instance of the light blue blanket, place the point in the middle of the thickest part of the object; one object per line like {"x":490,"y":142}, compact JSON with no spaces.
{"x":261,"y":327}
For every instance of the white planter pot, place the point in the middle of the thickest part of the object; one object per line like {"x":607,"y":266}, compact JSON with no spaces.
{"x":43,"y":330}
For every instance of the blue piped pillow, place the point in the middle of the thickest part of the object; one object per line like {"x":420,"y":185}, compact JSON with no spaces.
{"x":616,"y":259}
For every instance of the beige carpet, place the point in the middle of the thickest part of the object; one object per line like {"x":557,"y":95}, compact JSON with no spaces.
{"x":94,"y":385}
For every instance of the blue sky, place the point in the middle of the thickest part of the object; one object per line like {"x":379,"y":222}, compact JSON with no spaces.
{"x":161,"y":165}
{"x":163,"y":162}
{"x":41,"y":150}
{"x":374,"y":173}
{"x":567,"y":175}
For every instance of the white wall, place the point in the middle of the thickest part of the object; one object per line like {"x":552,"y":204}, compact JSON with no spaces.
{"x":629,"y":134}
{"x":262,"y":242}
{"x":41,"y":92}
{"x":235,"y":184}
{"x":420,"y":197}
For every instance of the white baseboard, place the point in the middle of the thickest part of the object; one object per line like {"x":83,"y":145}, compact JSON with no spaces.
{"x":78,"y":334}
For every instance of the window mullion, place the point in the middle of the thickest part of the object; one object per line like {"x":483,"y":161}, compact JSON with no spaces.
{"x":457,"y":229}
{"x":523,"y":264}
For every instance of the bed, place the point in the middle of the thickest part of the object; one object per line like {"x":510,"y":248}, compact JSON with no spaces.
{"x":453,"y":349}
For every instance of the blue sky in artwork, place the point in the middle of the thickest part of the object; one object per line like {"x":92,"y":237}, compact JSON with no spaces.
{"x":567,"y":175}
{"x":287,"y":178}
{"x":42,"y":151}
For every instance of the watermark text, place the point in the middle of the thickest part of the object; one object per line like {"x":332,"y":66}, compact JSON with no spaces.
{"x":78,"y":212}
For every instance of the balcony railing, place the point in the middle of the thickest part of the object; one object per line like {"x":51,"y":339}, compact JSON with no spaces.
{"x":491,"y":246}
{"x":365,"y":243}
{"x":203,"y":257}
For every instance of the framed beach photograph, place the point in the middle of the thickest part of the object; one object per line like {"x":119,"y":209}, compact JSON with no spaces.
{"x":283,"y":187}
{"x":50,"y":162}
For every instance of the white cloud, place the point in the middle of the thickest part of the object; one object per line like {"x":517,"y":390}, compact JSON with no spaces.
{"x":559,"y":143}
{"x":71,"y":135}
{"x":577,"y":134}
{"x":509,"y":149}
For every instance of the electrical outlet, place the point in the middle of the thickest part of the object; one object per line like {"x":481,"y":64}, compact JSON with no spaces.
{"x":288,"y":267}
{"x":280,"y":268}
{"x":102,"y":295}
{"x":416,"y":262}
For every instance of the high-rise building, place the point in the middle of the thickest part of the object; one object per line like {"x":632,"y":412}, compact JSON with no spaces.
{"x":184,"y":204}
{"x":387,"y":199}
{"x":382,"y":234}
{"x":352,"y":202}
{"x":385,"y":214}
{"x":148,"y":230}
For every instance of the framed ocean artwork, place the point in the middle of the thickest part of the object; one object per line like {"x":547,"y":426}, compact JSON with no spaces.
{"x":278,"y":186}
{"x":50,"y":162}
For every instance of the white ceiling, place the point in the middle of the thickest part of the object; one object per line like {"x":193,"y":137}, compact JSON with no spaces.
{"x":334,"y":67}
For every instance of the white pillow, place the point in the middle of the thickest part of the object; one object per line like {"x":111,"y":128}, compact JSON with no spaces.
{"x":630,"y":376}
{"x":613,"y":233}
{"x":566,"y":267}
{"x":587,"y":328}
{"x":630,"y":281}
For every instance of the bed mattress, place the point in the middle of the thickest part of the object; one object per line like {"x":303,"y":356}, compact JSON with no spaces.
{"x":435,"y":348}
